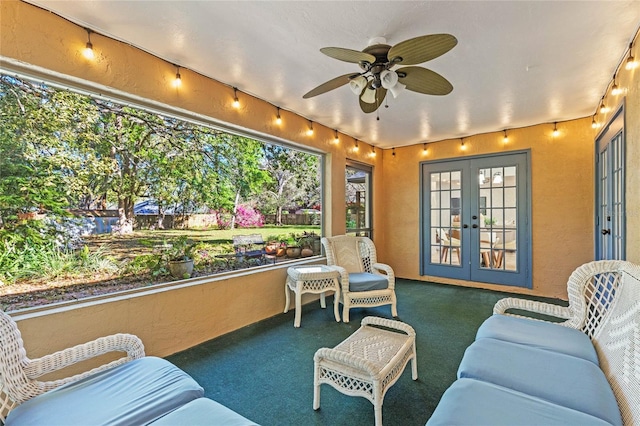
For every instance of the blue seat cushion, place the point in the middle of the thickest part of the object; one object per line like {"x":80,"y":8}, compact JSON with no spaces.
{"x":203,"y":411}
{"x":539,"y":334}
{"x":472,"y":402}
{"x":558,"y":378}
{"x":137,"y":392}
{"x":365,"y":281}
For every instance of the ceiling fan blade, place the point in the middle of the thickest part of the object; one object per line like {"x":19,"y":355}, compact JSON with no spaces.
{"x":348,"y":55}
{"x":330,"y":85}
{"x":425,"y":81}
{"x":366,"y":107}
{"x":422,"y":49}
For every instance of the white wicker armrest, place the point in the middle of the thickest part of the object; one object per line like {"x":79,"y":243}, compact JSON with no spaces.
{"x":386,"y":270}
{"x":388,"y":323}
{"x":128,"y":343}
{"x":346,"y":359}
{"x":532,"y":306}
{"x":344,"y":277}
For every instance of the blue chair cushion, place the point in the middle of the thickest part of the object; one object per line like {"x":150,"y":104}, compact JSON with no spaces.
{"x":558,"y":378}
{"x":137,"y":392}
{"x":472,"y":402}
{"x":539,"y":334}
{"x":203,"y":411}
{"x":365,"y":281}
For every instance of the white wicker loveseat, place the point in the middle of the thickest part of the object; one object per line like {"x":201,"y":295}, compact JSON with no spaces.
{"x":132,"y":390}
{"x":364,"y":282}
{"x":585,"y":370}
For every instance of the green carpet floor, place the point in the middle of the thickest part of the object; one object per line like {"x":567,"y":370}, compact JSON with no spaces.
{"x":265,"y":371}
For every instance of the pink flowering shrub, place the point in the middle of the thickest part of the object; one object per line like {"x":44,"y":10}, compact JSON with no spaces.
{"x":248,"y":217}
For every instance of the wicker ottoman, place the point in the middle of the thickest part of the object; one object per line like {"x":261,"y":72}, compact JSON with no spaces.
{"x":368,"y":362}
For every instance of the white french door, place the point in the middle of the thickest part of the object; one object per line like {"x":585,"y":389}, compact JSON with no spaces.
{"x":474,"y":216}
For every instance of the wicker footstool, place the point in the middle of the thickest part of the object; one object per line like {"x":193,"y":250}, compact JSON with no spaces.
{"x":368,"y":362}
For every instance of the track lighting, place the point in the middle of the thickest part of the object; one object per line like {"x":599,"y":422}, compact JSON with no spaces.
{"x":356,"y":147}
{"x":424,"y":148}
{"x":462,"y":146}
{"x":373,"y":151}
{"x":310,"y":130}
{"x":88,"y":50}
{"x":177,"y":82}
{"x":336,"y":139}
{"x":594,"y":123}
{"x":555,"y":129}
{"x":236,"y":101}
{"x":278,"y":118}
{"x":505,"y":139}
{"x":631,"y":62}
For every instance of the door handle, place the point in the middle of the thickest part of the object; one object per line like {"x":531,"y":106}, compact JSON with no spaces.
{"x":606,"y":231}
{"x":474,"y":226}
{"x":465,"y":226}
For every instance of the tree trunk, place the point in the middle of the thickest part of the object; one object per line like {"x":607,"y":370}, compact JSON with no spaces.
{"x":125,"y":216}
{"x":279,"y":216}
{"x":235,"y":210}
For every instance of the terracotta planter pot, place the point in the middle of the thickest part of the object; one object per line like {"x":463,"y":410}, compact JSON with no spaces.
{"x":306,"y":252}
{"x":281,"y":251}
{"x":293,"y":251}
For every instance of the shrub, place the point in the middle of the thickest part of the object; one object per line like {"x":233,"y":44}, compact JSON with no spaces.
{"x":248,"y":217}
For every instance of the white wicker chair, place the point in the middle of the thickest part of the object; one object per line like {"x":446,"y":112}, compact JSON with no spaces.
{"x":348,"y":254}
{"x":591,"y":289}
{"x":18,"y":373}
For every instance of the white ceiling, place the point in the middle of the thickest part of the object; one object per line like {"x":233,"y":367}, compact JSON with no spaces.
{"x":517,"y":63}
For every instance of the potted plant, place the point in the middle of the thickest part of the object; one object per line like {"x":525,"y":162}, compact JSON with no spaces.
{"x":293,"y":249}
{"x":306,"y":244}
{"x":179,"y":255}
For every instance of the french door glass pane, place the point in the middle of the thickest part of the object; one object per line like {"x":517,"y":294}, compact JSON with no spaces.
{"x":445,"y":205}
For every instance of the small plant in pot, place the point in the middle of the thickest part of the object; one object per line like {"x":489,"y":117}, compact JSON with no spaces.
{"x":179,"y":255}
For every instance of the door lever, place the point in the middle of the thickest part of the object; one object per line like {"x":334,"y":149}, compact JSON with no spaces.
{"x":606,"y":231}
{"x":474,"y":226}
{"x":465,"y":226}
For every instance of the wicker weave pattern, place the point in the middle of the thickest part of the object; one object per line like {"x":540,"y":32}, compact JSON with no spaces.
{"x":617,"y":342}
{"x":18,"y":372}
{"x":591,"y":288}
{"x":368,"y":362}
{"x":348,"y":254}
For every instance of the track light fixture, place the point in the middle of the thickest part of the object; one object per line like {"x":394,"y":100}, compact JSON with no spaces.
{"x":310,"y":130}
{"x":373,"y":151}
{"x":631,"y":62}
{"x":555,"y":129}
{"x":462,"y":146}
{"x":177,"y":82}
{"x":594,"y":123}
{"x":278,"y":118}
{"x":424,"y":147}
{"x":236,"y":101}
{"x":603,"y":107}
{"x":505,"y":139}
{"x":356,"y":147}
{"x":336,"y":139}
{"x":88,"y":50}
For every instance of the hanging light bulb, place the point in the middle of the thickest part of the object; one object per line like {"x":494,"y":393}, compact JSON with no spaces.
{"x":278,"y":118}
{"x":631,"y":62}
{"x":462,"y":146}
{"x":594,"y":123}
{"x":310,"y":130}
{"x":615,"y":90}
{"x":505,"y":139}
{"x":424,"y":148}
{"x":88,"y":50}
{"x":336,"y":139}
{"x":373,"y":151}
{"x":177,"y":82}
{"x":393,"y":151}
{"x":555,"y":129}
{"x":236,"y":101}
{"x":603,"y":107}
{"x":356,"y":147}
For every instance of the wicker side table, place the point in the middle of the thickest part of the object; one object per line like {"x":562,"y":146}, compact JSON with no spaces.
{"x":368,"y":362}
{"x":312,"y":279}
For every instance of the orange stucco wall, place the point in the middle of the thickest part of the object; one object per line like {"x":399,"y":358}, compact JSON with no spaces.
{"x":39,"y":43}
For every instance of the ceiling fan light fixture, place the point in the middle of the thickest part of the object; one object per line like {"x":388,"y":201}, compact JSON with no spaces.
{"x":369,"y":96}
{"x":397,"y":89}
{"x":358,"y":84}
{"x":389,"y":79}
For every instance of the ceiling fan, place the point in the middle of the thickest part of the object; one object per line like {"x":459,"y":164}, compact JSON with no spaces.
{"x":378,"y":76}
